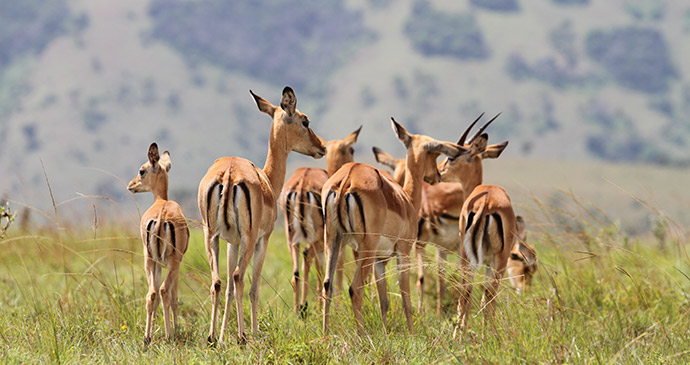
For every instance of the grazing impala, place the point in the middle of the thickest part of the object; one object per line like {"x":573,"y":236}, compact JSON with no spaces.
{"x":301,"y":205}
{"x":522,"y":263}
{"x":442,"y":203}
{"x":378,"y":219}
{"x":165,"y":236}
{"x":237,"y":201}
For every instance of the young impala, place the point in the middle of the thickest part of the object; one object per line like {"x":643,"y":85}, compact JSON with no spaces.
{"x":442,"y":203}
{"x":165,"y":236}
{"x":522,"y":264}
{"x":378,"y":219}
{"x":237,"y":201}
{"x":300,"y":202}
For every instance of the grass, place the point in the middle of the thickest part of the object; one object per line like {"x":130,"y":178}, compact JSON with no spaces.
{"x":70,"y":295}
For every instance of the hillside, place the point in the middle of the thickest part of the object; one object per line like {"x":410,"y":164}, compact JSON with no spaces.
{"x":86,"y":86}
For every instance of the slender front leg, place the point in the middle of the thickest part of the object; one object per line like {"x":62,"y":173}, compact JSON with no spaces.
{"x":466,"y":275}
{"x":404,"y":278}
{"x":259,"y":256}
{"x":380,"y":277}
{"x":441,"y":287}
{"x":420,"y":255}
{"x":211,"y":243}
{"x":233,"y":252}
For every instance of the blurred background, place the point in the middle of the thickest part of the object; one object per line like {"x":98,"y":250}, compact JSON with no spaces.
{"x":594,"y":95}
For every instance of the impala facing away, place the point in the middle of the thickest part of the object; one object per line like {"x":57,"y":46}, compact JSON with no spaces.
{"x":378,"y":218}
{"x":300,"y":202}
{"x":165,"y":235}
{"x":522,"y":264}
{"x":237,"y":201}
{"x":442,"y":203}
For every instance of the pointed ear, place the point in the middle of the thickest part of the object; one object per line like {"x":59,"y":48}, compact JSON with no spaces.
{"x":494,"y":150}
{"x":289,"y":101}
{"x":263,"y":104}
{"x":451,"y":150}
{"x":153,"y":154}
{"x":352,"y":137}
{"x":479,"y":143}
{"x":521,"y":229}
{"x":165,"y":162}
{"x":384,"y":158}
{"x":402,"y":134}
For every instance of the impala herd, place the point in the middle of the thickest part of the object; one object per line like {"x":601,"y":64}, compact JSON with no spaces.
{"x":378,"y":215}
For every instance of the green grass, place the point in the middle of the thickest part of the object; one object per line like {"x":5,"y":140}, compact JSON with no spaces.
{"x":599,"y":296}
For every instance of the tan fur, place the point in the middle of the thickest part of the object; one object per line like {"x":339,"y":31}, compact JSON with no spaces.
{"x":301,"y":205}
{"x":377,"y":218}
{"x":481,"y":243}
{"x":243,"y":211}
{"x":522,"y":264}
{"x":165,"y":236}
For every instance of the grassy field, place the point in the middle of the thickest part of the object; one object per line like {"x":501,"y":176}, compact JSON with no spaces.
{"x":70,"y":295}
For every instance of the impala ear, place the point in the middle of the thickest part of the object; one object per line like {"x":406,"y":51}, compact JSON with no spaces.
{"x":494,"y":150}
{"x":402,"y":134}
{"x":384,"y":158}
{"x":479,"y":143}
{"x":521,"y":229}
{"x":352,"y":137}
{"x":451,"y":150}
{"x":153,"y":154}
{"x":289,"y":101}
{"x":165,"y":162}
{"x":263,"y":104}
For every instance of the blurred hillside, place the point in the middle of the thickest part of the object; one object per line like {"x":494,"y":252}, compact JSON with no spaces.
{"x":85,"y":86}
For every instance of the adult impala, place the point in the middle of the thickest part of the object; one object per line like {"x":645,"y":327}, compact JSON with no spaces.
{"x":378,"y":218}
{"x":165,"y":235}
{"x":300,"y":202}
{"x":237,"y":201}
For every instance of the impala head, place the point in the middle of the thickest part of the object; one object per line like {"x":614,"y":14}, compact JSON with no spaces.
{"x":422,"y":151}
{"x":290,"y":125}
{"x":153,"y":175}
{"x":397,"y":164}
{"x":468,"y":167}
{"x":522,"y":264}
{"x":340,"y":151}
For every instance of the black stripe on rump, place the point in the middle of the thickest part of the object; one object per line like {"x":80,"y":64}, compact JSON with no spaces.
{"x":245,"y":190}
{"x":171,"y":227}
{"x":209,"y":196}
{"x":419,"y":227}
{"x":302,"y":205}
{"x":325,"y":211}
{"x":340,"y":216}
{"x":149,"y":228}
{"x":499,"y":223}
{"x":474,"y":233}
{"x":288,"y":211}
{"x":358,"y":200}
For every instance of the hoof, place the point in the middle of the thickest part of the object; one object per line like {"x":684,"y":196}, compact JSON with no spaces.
{"x":242,"y":340}
{"x":147,"y":341}
{"x":303,"y":310}
{"x":211,"y":341}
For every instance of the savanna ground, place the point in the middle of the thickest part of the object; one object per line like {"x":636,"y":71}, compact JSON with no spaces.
{"x":77,"y":295}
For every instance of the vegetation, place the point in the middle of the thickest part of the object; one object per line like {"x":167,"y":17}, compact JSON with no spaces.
{"x":298,"y":43}
{"x":68,"y":295}
{"x":437,"y":33}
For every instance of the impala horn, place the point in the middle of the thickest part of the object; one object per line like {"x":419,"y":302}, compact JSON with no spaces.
{"x":461,"y":141}
{"x":482,"y":129}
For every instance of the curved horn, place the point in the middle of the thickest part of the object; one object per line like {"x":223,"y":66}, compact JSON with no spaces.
{"x":461,"y":141}
{"x":482,"y":129}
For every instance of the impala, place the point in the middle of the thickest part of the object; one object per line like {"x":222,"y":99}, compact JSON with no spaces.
{"x":237,"y":201}
{"x":378,"y":219}
{"x":165,"y":235}
{"x":301,"y":205}
{"x":442,"y":203}
{"x":522,"y":263}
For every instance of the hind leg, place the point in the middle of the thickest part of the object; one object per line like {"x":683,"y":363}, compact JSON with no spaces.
{"x":153,"y":275}
{"x":233,"y":252}
{"x":380,"y":277}
{"x":441,"y":286}
{"x":420,"y":255}
{"x":212,"y":251}
{"x":404,"y":248}
{"x":259,"y":256}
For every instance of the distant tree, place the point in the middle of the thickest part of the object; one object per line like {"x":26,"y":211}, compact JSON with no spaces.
{"x":637,"y":58}
{"x":437,"y":33}
{"x":498,"y":5}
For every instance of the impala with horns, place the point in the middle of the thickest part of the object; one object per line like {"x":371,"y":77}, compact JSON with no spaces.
{"x":378,"y":219}
{"x":522,"y":264}
{"x":165,"y":235}
{"x":237,"y":201}
{"x":442,"y":203}
{"x":301,"y":205}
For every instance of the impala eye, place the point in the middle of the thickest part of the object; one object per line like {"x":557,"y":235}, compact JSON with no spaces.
{"x":305,"y":124}
{"x":142,"y":172}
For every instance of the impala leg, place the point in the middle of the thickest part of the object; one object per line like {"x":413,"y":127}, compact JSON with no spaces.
{"x":166,"y":295}
{"x":246,"y":250}
{"x":211,"y":243}
{"x":308,"y":254}
{"x":259,"y":256}
{"x":233,"y":252}
{"x":493,"y":281}
{"x":152,"y":297}
{"x":465,"y":293}
{"x":293,"y":247}
{"x":380,"y":277}
{"x":441,"y":286}
{"x":339,"y":271}
{"x":320,"y":259}
{"x":420,"y":255}
{"x":404,"y":279}
{"x":332,"y":245}
{"x":364,"y":265}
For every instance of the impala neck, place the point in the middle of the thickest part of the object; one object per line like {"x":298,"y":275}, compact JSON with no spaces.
{"x":276,"y":161}
{"x":472,"y":178}
{"x":160,"y":190}
{"x":414,"y":179}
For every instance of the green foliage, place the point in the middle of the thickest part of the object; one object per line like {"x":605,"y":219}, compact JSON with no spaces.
{"x":437,"y":33}
{"x":498,"y":5}
{"x":637,"y":58}
{"x":293,"y":43}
